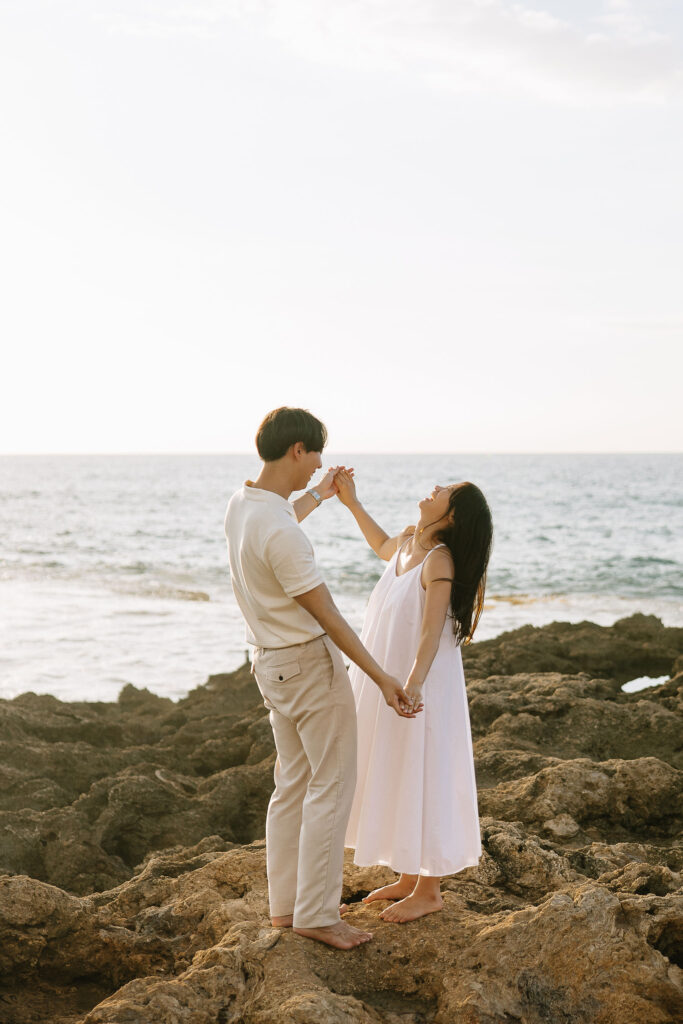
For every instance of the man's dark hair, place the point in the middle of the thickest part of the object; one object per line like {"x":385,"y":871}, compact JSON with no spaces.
{"x":283,"y":427}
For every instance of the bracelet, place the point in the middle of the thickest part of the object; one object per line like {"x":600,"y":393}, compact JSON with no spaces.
{"x":314,"y":494}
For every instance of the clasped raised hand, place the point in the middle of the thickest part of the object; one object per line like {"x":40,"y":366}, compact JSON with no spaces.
{"x":345,"y":485}
{"x":328,"y":487}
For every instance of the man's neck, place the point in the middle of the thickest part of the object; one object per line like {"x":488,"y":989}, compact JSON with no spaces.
{"x":272,"y":478}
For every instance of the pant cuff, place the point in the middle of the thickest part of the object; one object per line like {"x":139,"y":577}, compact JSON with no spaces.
{"x":323,"y":922}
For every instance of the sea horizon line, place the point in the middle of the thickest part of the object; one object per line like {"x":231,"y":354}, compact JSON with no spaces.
{"x":341,"y":451}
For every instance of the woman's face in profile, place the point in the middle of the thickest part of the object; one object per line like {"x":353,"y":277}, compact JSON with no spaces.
{"x":437,"y":502}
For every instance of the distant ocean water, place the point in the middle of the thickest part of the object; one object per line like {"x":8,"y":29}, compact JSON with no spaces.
{"x":113,"y":569}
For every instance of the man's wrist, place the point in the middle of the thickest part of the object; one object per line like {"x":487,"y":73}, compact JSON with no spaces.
{"x":315,"y":494}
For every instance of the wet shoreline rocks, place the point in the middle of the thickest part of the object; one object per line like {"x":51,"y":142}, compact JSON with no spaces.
{"x":132,"y":861}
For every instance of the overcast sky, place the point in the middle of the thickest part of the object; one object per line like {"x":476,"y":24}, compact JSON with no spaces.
{"x":441,"y":225}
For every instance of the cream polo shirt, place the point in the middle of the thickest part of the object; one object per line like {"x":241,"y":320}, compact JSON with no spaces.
{"x":271,"y":563}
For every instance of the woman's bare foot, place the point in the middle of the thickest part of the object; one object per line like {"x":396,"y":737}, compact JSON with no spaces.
{"x":413,"y":906}
{"x":286,"y":922}
{"x":341,"y":935}
{"x":402,"y":887}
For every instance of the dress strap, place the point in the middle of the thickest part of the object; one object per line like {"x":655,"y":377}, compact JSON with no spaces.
{"x":434,"y":549}
{"x":439,"y":579}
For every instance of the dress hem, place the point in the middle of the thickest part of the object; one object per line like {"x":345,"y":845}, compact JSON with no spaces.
{"x":406,"y":871}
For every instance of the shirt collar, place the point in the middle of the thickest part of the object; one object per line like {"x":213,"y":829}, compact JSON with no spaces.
{"x":270,"y":497}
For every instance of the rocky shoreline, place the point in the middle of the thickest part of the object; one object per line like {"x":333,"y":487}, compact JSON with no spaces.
{"x":132,"y":868}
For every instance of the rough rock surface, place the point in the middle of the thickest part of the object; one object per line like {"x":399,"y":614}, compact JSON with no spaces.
{"x":134,"y":886}
{"x":637,"y":646}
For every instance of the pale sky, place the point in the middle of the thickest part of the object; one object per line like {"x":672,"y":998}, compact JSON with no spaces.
{"x":441,"y":225}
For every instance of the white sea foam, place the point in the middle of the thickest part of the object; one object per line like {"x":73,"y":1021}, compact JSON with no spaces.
{"x":643,"y":683}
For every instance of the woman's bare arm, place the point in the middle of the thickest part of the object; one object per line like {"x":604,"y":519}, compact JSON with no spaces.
{"x":378,"y":539}
{"x":436,"y":576}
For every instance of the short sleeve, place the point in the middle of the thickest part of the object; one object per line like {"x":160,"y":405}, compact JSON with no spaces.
{"x":290,"y":555}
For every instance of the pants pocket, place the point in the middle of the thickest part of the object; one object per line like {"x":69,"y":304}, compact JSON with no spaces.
{"x":330,"y":661}
{"x":281,"y":673}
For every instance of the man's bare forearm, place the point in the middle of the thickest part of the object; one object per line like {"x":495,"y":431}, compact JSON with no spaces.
{"x":347,"y":640}
{"x":319,"y":603}
{"x":304,"y":505}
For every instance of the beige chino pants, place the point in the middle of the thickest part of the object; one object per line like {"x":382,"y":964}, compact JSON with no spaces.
{"x":306,"y":688}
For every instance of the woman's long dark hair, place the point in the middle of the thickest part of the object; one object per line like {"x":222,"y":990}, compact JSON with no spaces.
{"x":469,"y":538}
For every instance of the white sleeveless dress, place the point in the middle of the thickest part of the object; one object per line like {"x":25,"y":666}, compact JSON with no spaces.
{"x":415,"y":805}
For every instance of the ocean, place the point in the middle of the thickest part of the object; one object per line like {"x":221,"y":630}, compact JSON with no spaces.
{"x":113,"y":569}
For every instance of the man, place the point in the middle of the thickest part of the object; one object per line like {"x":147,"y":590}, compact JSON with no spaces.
{"x":298,"y":633}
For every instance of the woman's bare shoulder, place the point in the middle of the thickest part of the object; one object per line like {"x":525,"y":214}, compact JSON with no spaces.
{"x":438,"y":565}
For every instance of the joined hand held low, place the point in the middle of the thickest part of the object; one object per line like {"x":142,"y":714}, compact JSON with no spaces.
{"x":414,"y":703}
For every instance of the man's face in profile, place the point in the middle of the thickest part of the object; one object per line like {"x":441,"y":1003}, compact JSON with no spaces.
{"x":310,"y":463}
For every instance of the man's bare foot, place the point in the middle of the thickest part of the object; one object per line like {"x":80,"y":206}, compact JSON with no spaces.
{"x":412,"y":907}
{"x":341,"y":935}
{"x":286,"y":922}
{"x":396,"y":891}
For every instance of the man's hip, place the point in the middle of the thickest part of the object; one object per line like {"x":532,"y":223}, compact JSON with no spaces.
{"x":304,"y":678}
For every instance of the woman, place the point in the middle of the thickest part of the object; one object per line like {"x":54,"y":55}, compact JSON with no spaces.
{"x":415,"y":804}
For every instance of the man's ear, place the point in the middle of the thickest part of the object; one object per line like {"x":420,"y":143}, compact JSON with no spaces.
{"x":298,"y":450}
